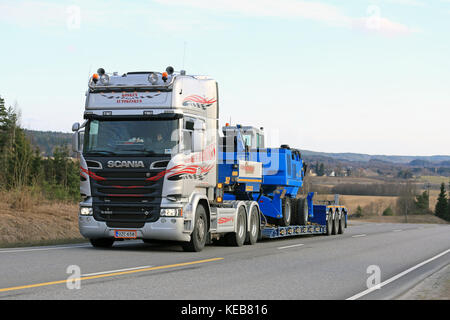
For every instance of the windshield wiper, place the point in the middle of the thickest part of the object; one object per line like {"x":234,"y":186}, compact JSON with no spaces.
{"x":101,"y":152}
{"x":147,"y":152}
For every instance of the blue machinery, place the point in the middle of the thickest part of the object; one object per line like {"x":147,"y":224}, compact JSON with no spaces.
{"x":274,"y":177}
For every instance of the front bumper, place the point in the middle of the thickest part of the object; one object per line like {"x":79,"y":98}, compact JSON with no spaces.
{"x":165,"y":228}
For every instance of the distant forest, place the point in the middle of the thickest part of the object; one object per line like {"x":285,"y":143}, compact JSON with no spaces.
{"x":47,"y":141}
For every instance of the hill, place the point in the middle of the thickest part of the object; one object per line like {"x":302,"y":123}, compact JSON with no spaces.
{"x":46,"y":141}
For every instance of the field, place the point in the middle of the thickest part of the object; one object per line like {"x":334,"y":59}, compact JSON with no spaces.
{"x":437,"y":180}
{"x":373,"y":206}
{"x":25,"y":219}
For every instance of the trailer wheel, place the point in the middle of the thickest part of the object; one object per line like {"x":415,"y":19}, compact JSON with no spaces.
{"x":334,"y":229}
{"x":302,"y":212}
{"x":237,"y":238}
{"x":287,"y":212}
{"x":199,"y":235}
{"x":253,"y":233}
{"x":329,"y":224}
{"x":102,"y":243}
{"x":341,"y":224}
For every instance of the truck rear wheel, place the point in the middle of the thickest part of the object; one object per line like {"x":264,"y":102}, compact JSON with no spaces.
{"x":200,"y":232}
{"x":252,"y":234}
{"x":335,"y":227}
{"x":341,"y":224}
{"x":237,"y":238}
{"x":102,"y":242}
{"x":329,"y":224}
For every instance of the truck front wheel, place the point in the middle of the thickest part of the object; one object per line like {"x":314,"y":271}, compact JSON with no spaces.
{"x":198,"y":236}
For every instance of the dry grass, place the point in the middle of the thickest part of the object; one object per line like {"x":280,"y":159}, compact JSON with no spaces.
{"x":374,"y":205}
{"x":26,"y":218}
{"x":424,"y":218}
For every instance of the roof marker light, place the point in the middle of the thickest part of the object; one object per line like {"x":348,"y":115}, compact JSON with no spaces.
{"x":95,"y":77}
{"x":164,"y":76}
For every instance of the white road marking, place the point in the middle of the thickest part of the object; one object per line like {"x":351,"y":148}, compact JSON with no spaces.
{"x":359,"y":235}
{"x":113,"y":271}
{"x":397,"y":230}
{"x":292,"y":246}
{"x":365,"y":292}
{"x":43,"y":249}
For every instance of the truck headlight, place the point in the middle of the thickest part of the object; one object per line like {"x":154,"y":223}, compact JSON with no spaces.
{"x":171,"y":212}
{"x":86,"y":211}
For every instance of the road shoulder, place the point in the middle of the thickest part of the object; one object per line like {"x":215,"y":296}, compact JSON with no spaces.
{"x":435,"y":287}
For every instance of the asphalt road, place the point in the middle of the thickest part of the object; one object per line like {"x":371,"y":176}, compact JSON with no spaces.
{"x":311,"y":267}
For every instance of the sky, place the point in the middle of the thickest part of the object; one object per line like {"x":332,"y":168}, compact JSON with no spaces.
{"x":333,"y":76}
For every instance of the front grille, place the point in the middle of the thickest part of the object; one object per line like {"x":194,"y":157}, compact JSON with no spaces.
{"x":125,"y":198}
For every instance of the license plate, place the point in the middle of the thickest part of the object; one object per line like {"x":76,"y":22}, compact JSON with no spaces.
{"x":125,"y":234}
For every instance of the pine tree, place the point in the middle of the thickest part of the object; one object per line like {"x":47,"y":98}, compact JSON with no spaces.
{"x":422,"y":202}
{"x":448,"y":205}
{"x":441,"y":209}
{"x":321,"y":170}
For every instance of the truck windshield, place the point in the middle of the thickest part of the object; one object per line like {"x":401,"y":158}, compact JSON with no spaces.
{"x":131,"y":137}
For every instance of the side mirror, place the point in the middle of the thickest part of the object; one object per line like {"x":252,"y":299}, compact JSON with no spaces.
{"x":76,"y":141}
{"x":75,"y":127}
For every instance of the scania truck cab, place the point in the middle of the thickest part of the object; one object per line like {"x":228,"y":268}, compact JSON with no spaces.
{"x":148,"y":156}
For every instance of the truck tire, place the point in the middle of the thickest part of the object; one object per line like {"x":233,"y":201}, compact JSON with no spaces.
{"x":200,"y":232}
{"x":102,"y":242}
{"x":329,"y":225}
{"x":252,"y":234}
{"x":341,"y":224}
{"x":287,"y":212}
{"x":301,"y":217}
{"x":237,"y":238}
{"x":334,"y":229}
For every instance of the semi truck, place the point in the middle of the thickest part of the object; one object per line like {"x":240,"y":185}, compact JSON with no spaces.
{"x":155,"y":166}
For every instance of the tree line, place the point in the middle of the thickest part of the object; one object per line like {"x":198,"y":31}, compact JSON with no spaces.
{"x":22,"y":166}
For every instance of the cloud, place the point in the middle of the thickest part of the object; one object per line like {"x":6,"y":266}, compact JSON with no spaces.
{"x":382,"y":26}
{"x":30,"y":13}
{"x":315,"y":11}
{"x":267,"y":8}
{"x":45,"y":14}
{"x":414,"y":3}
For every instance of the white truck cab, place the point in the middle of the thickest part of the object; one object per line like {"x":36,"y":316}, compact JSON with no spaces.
{"x":148,"y":160}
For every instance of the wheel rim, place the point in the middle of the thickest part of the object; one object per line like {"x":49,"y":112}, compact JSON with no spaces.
{"x":305,"y":213}
{"x":254,"y":228}
{"x":200,"y":229}
{"x":241,"y":226}
{"x":287,"y":212}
